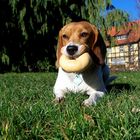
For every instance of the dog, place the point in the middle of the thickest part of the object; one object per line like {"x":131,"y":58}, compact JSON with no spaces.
{"x":76,"y":39}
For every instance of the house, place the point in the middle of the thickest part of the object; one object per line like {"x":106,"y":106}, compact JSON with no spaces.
{"x":125,"y":54}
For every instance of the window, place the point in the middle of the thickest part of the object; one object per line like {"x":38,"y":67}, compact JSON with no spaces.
{"x":109,"y":50}
{"x":121,"y":37}
{"x":118,"y":61}
{"x":131,"y":59}
{"x":131,"y":48}
{"x":121,"y":49}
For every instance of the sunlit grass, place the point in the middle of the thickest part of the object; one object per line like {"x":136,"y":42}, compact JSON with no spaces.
{"x":27,"y":110}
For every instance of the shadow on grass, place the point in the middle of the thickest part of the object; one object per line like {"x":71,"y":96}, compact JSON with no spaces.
{"x":120,"y":87}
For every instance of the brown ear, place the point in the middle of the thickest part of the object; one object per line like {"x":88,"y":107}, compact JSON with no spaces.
{"x":99,"y":47}
{"x":59,"y":46}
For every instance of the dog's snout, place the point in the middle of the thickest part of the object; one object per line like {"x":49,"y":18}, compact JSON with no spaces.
{"x":72,"y":49}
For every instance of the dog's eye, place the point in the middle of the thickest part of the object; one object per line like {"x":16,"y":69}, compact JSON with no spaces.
{"x":65,"y":36}
{"x":84,"y":34}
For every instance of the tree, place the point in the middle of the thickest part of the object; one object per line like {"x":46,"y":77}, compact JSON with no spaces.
{"x":34,"y":27}
{"x":105,"y":15}
{"x":8,"y":36}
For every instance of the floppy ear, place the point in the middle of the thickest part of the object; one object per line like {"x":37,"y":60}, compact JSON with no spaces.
{"x":59,"y":46}
{"x":99,"y":47}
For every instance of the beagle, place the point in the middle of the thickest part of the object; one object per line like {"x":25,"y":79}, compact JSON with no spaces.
{"x":81,"y":64}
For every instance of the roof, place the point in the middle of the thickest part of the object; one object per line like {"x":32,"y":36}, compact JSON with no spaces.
{"x":131,"y":30}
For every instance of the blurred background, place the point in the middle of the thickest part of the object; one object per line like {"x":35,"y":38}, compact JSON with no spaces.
{"x":29,"y":29}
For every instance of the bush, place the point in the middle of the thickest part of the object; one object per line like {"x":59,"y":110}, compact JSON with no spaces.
{"x":44,"y":66}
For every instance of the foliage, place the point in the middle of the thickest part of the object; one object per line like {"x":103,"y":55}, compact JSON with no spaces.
{"x":4,"y":58}
{"x":101,"y":13}
{"x":29,"y":29}
{"x":44,"y":65}
{"x":28,"y":111}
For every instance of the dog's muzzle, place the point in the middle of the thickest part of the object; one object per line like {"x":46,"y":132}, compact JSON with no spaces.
{"x":72,"y":49}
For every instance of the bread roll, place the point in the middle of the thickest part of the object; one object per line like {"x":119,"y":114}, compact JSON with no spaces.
{"x":78,"y":64}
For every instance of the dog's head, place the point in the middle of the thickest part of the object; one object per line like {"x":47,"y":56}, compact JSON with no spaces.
{"x":78,"y":38}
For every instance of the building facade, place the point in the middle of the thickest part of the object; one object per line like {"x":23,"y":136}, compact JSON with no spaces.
{"x":125,"y":54}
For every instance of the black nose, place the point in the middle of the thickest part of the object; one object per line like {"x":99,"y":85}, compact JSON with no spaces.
{"x":72,"y":49}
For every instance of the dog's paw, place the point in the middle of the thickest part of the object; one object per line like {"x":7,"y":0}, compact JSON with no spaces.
{"x":58,"y":99}
{"x":88,"y":102}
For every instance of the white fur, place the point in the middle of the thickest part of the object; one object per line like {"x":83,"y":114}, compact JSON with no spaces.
{"x":92,"y":81}
{"x":89,"y":81}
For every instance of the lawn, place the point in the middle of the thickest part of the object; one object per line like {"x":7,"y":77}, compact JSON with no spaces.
{"x":27,"y":110}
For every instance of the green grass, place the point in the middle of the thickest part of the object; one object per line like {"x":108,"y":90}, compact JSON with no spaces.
{"x":27,"y":110}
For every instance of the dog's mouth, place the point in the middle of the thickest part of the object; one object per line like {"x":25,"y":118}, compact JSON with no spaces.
{"x":75,"y":64}
{"x":75,"y":57}
{"x":73,"y":50}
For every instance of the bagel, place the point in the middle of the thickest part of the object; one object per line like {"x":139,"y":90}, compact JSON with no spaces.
{"x":78,"y":64}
